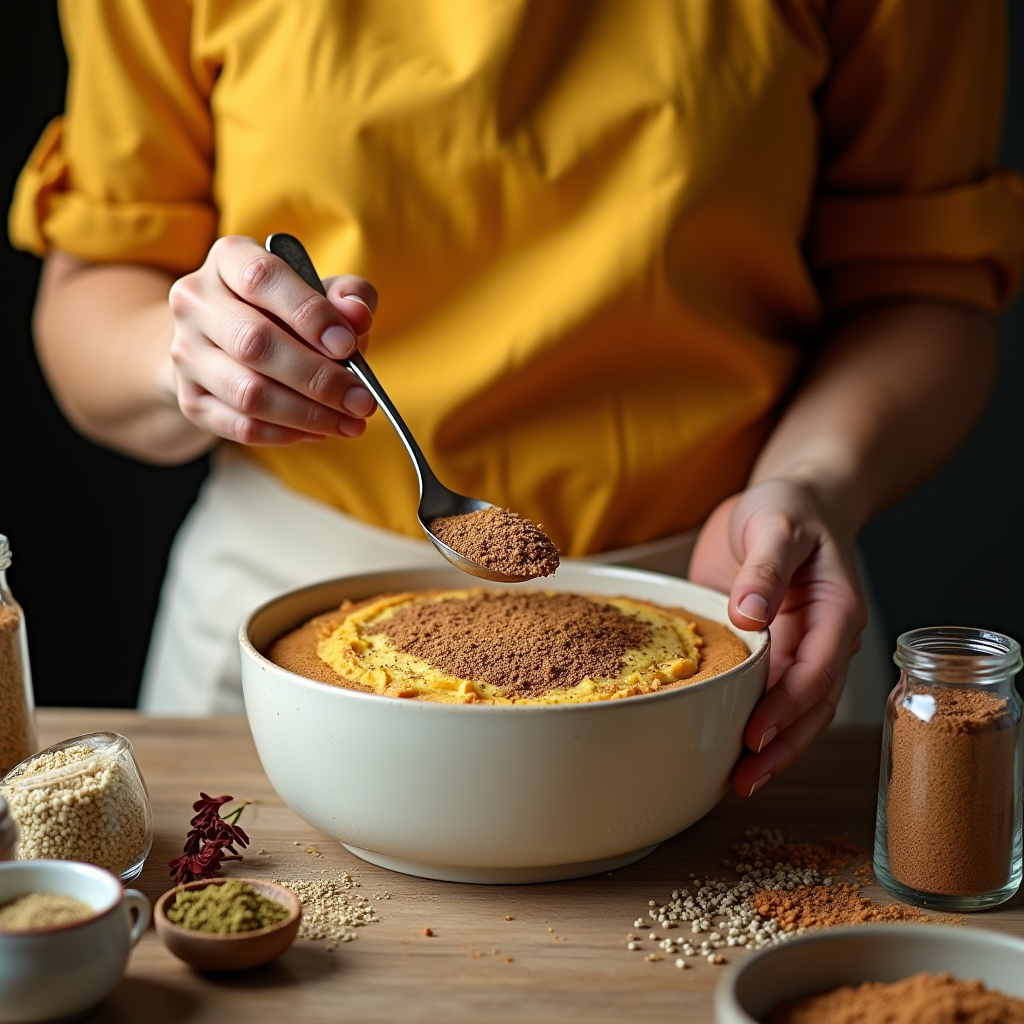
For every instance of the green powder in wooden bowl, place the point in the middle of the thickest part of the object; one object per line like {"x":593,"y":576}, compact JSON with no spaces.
{"x":224,"y":909}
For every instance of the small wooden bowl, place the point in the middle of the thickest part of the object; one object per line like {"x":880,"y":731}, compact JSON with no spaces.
{"x":235,"y":952}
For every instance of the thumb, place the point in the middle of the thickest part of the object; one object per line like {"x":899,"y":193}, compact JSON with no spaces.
{"x":770,"y":548}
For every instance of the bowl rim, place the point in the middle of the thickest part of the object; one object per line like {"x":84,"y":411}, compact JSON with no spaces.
{"x":728,"y":1001}
{"x":289,"y":900}
{"x":433,"y":707}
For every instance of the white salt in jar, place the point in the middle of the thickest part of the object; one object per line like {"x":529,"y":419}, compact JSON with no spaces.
{"x":82,"y":799}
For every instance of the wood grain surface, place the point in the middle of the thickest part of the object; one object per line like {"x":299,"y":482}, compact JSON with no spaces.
{"x":562,"y":956}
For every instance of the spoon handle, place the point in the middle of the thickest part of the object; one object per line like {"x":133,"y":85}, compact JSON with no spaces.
{"x":292,"y":251}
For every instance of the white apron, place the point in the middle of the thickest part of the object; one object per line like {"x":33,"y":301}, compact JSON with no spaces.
{"x":249,"y":538}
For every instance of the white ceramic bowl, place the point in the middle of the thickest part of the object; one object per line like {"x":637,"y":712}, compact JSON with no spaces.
{"x":55,"y":973}
{"x":497,"y":794}
{"x":826,"y":959}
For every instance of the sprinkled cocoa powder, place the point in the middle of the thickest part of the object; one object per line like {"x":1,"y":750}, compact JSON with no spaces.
{"x":782,"y":889}
{"x":828,"y":906}
{"x":525,"y":641}
{"x":919,"y":999}
{"x":499,"y":539}
{"x":950,"y":803}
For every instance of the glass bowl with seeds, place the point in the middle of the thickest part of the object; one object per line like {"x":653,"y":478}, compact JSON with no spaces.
{"x":82,"y":799}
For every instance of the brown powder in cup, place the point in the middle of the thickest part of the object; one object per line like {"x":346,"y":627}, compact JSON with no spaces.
{"x":16,"y":729}
{"x":950,"y":804}
{"x":523,"y":641}
{"x":919,"y":999}
{"x":499,"y":539}
{"x":42,"y":910}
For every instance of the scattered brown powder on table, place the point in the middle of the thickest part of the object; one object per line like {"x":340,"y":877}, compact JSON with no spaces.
{"x":830,"y":854}
{"x":950,"y":804}
{"x":772,"y":900}
{"x":499,"y":539}
{"x":919,"y":999}
{"x":523,"y":641}
{"x":17,"y":739}
{"x":827,"y":906}
{"x":42,"y":910}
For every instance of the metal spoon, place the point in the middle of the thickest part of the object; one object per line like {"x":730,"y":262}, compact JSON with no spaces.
{"x":436,"y":500}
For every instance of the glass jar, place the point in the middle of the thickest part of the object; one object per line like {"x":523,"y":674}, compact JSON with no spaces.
{"x":82,"y":799}
{"x":17,"y":723}
{"x":948,"y":824}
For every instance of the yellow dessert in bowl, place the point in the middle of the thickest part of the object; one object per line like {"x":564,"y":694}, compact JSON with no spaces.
{"x":474,"y":645}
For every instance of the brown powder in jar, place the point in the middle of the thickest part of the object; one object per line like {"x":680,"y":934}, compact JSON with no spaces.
{"x":499,"y":539}
{"x":828,"y":906}
{"x":950,"y":804}
{"x":919,"y":999}
{"x":16,"y":729}
{"x":522,"y":642}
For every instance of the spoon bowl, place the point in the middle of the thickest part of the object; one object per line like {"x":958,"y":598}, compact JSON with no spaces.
{"x":436,"y":500}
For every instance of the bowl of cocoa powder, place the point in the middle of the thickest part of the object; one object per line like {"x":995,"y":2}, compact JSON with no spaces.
{"x":484,"y":785}
{"x":898,"y":973}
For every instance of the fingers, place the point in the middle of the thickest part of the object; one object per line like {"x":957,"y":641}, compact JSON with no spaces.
{"x":260,"y":396}
{"x":356,"y":298}
{"x":822,"y":636}
{"x":773,"y":545}
{"x":252,"y":349}
{"x":221,"y":419}
{"x":266,"y":282}
{"x":756,"y":770}
{"x":813,"y":638}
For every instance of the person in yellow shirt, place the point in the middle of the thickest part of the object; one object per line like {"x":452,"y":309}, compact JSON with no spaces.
{"x":688,"y":277}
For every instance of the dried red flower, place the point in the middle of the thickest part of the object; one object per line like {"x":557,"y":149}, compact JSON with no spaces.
{"x":211,"y":840}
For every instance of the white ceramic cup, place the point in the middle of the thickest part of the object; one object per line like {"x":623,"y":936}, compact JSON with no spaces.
{"x":52,"y":973}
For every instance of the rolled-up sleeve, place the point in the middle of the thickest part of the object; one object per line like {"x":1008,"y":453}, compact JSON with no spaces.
{"x":910,"y":201}
{"x":126,"y":174}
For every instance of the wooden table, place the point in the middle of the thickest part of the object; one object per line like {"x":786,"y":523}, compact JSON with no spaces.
{"x":561,"y":957}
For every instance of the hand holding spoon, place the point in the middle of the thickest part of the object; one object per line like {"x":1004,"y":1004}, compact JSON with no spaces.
{"x":436,"y":500}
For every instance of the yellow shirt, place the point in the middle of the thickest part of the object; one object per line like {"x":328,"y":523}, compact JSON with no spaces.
{"x":604,"y":232}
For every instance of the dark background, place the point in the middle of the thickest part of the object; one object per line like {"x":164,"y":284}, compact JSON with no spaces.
{"x":90,"y":530}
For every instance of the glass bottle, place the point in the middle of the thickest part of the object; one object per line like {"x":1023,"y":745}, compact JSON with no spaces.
{"x":17,"y":722}
{"x":948,"y":824}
